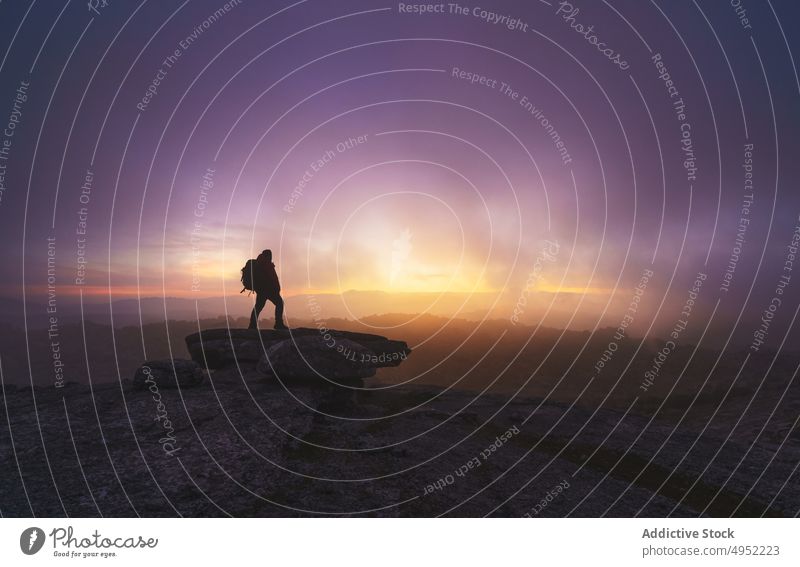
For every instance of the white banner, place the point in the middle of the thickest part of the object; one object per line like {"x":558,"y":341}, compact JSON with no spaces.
{"x":354,"y":542}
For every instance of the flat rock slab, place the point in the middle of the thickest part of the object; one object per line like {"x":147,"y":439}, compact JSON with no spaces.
{"x":312,"y":356}
{"x":218,"y":348}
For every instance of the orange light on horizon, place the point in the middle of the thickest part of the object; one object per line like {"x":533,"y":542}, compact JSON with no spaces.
{"x":580,"y":290}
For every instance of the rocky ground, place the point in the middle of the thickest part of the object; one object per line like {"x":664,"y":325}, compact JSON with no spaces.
{"x":243,"y":443}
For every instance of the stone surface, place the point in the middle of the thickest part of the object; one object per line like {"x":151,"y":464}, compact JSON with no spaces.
{"x":256,"y":449}
{"x":310,"y":357}
{"x":218,"y":348}
{"x":168,"y":374}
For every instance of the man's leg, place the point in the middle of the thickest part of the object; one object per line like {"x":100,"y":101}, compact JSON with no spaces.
{"x":278,"y":301}
{"x":261,"y":300}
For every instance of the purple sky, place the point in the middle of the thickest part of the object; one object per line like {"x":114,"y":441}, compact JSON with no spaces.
{"x":439,"y":184}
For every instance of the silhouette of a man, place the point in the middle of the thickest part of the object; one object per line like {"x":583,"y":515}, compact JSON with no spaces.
{"x":267,"y":287}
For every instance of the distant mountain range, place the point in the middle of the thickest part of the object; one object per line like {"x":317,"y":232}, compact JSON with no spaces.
{"x":569,"y":311}
{"x":348,"y":305}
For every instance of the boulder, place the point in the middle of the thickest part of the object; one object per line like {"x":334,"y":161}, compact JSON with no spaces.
{"x":168,"y":374}
{"x":312,"y":357}
{"x":218,"y":348}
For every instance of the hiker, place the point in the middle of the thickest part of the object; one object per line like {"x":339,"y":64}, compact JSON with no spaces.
{"x":259,"y":275}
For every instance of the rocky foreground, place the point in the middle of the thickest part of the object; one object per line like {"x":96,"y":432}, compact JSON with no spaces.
{"x":273,"y":423}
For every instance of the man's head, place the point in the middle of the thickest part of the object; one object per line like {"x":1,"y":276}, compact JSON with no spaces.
{"x":266,"y":255}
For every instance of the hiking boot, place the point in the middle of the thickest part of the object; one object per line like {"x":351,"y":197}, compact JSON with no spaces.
{"x":280,"y":326}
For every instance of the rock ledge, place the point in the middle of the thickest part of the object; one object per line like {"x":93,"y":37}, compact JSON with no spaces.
{"x":297,"y":353}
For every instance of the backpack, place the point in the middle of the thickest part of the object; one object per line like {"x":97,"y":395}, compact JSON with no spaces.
{"x":248,"y":276}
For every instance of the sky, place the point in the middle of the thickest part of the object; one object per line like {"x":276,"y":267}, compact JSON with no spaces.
{"x":376,"y":148}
